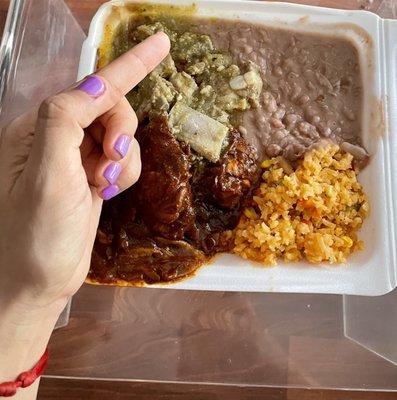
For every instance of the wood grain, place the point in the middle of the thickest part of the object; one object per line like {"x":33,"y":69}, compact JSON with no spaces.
{"x":104,"y":390}
{"x":307,"y":394}
{"x":333,"y":360}
{"x":208,"y":337}
{"x":69,"y":389}
{"x":214,"y":337}
{"x":3,"y":13}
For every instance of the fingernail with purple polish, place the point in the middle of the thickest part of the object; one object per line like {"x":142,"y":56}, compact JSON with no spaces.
{"x":110,"y":192}
{"x":92,"y":85}
{"x":122,"y":144}
{"x":112,"y":172}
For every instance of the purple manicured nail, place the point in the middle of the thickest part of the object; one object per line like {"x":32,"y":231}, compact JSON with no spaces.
{"x":110,"y":192}
{"x":112,"y":172}
{"x":122,"y":144}
{"x":92,"y":85}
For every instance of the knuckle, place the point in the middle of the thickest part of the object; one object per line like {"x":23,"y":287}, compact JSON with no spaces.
{"x":132,"y":173}
{"x":136,"y":174}
{"x":54,"y":107}
{"x":136,"y":162}
{"x":140,"y":61}
{"x":130,"y":114}
{"x":99,"y":177}
{"x":113,"y":91}
{"x":129,"y":179}
{"x":117,"y":92}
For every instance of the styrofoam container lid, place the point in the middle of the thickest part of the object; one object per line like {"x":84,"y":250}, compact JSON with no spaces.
{"x":369,"y":272}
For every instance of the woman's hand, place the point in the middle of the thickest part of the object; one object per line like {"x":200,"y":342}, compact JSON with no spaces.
{"x":79,"y":149}
{"x":56,"y":166}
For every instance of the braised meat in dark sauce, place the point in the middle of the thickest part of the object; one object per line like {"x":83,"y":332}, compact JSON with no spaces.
{"x":163,"y":193}
{"x":220,"y":190}
{"x":171,"y":221}
{"x":128,"y":251}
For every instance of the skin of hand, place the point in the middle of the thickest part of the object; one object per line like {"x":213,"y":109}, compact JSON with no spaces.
{"x":57,"y":164}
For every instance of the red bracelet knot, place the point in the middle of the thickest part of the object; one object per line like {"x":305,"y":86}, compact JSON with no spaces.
{"x":25,"y":379}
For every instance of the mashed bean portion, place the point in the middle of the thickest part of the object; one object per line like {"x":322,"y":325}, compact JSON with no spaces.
{"x":311,"y":213}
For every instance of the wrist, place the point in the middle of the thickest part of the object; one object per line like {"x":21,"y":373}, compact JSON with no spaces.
{"x":25,"y":330}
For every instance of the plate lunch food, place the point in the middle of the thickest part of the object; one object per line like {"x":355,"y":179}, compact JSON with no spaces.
{"x":263,"y":151}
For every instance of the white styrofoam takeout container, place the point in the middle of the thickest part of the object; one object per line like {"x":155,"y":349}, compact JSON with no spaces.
{"x":369,"y":272}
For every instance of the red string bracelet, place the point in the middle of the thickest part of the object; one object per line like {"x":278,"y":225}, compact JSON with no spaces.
{"x":25,"y":379}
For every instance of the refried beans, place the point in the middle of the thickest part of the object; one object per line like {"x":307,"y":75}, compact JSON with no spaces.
{"x":312,"y":87}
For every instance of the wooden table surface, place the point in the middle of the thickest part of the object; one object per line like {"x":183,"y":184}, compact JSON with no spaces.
{"x":68,"y":343}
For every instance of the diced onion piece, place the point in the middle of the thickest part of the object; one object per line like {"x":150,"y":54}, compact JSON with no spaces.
{"x":356,"y":151}
{"x":252,"y":77}
{"x":238,"y":82}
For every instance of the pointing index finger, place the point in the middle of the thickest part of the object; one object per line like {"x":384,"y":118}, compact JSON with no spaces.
{"x":99,"y":93}
{"x":130,"y":68}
